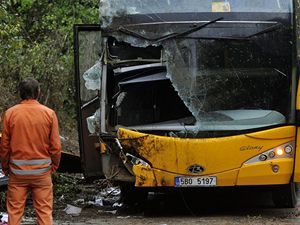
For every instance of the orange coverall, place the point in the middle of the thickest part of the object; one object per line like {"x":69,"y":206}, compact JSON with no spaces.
{"x":30,"y":152}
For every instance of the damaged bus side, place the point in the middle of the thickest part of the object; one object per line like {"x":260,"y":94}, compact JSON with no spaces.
{"x":181,"y":94}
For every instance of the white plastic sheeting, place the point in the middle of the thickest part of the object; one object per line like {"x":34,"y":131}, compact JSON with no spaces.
{"x":93,"y":122}
{"x":93,"y":76}
{"x":3,"y":218}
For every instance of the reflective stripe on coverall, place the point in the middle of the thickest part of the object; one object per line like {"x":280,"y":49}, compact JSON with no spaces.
{"x":30,"y":152}
{"x":21,"y":167}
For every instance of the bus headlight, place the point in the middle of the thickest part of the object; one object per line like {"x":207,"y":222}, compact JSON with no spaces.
{"x":279,"y":151}
{"x":282,"y":151}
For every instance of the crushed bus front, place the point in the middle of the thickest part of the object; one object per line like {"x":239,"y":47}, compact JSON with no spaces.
{"x":198,"y":94}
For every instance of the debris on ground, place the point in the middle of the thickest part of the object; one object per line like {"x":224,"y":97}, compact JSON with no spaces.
{"x":123,"y":217}
{"x":75,"y":197}
{"x":3,"y":219}
{"x":3,"y":178}
{"x":72,"y":210}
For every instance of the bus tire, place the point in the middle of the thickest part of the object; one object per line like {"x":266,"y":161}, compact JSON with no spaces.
{"x":285,"y":196}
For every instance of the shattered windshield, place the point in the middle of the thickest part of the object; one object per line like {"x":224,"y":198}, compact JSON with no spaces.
{"x":221,"y":85}
{"x":230,"y":83}
{"x":113,"y":7}
{"x":228,"y":75}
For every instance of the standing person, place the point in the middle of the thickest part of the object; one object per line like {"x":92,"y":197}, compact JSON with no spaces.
{"x":30,"y":152}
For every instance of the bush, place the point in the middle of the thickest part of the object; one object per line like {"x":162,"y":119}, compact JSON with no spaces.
{"x":37,"y":41}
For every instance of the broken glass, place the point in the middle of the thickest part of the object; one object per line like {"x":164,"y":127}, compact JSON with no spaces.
{"x":212,"y":86}
{"x":209,"y":82}
{"x":118,"y":8}
{"x":169,"y":35}
{"x":92,"y":77}
{"x":225,"y":84}
{"x":90,"y":48}
{"x":93,"y":122}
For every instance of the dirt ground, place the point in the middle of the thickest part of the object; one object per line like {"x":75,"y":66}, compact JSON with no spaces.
{"x":99,"y":202}
{"x":164,"y":211}
{"x":216,"y":207}
{"x":184,"y":221}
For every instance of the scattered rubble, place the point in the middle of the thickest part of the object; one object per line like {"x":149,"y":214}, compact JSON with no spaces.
{"x":3,"y":178}
{"x":72,"y":210}
{"x":3,"y":219}
{"x":76,"y":199}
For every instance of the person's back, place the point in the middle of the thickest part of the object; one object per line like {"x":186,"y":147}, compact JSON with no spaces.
{"x":30,"y":152}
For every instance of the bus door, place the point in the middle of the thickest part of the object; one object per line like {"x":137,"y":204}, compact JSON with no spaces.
{"x":87,"y":53}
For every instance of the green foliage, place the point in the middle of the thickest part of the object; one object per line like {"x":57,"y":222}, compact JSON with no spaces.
{"x":2,"y":200}
{"x":27,"y":4}
{"x":64,"y":186}
{"x":37,"y":41}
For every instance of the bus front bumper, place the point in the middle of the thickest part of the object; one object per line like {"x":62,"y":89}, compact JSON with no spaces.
{"x":271,"y":172}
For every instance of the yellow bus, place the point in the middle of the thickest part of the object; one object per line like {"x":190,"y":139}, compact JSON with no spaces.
{"x":190,"y":94}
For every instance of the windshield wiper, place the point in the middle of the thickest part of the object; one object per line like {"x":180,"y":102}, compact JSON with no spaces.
{"x":168,"y":36}
{"x":192,"y":30}
{"x":264,"y":31}
{"x":267,"y":30}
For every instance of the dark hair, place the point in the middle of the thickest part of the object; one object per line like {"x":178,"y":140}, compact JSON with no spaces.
{"x":29,"y":88}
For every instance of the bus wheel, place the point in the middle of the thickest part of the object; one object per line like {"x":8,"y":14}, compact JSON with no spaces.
{"x":285,"y":196}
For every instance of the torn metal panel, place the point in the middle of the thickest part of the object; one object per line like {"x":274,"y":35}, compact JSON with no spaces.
{"x":150,"y":78}
{"x":114,"y":169}
{"x":127,"y":69}
{"x":144,"y":176}
{"x":135,"y":42}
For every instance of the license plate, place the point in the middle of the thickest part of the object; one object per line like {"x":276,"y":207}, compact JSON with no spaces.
{"x":205,"y":181}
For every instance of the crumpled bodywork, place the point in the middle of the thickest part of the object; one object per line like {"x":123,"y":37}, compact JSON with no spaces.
{"x":222,"y":157}
{"x":187,"y":77}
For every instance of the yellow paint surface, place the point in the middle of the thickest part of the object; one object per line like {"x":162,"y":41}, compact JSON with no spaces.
{"x":297,"y":158}
{"x":222,"y":157}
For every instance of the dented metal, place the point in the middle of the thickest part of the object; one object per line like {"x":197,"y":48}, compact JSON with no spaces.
{"x":174,"y":71}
